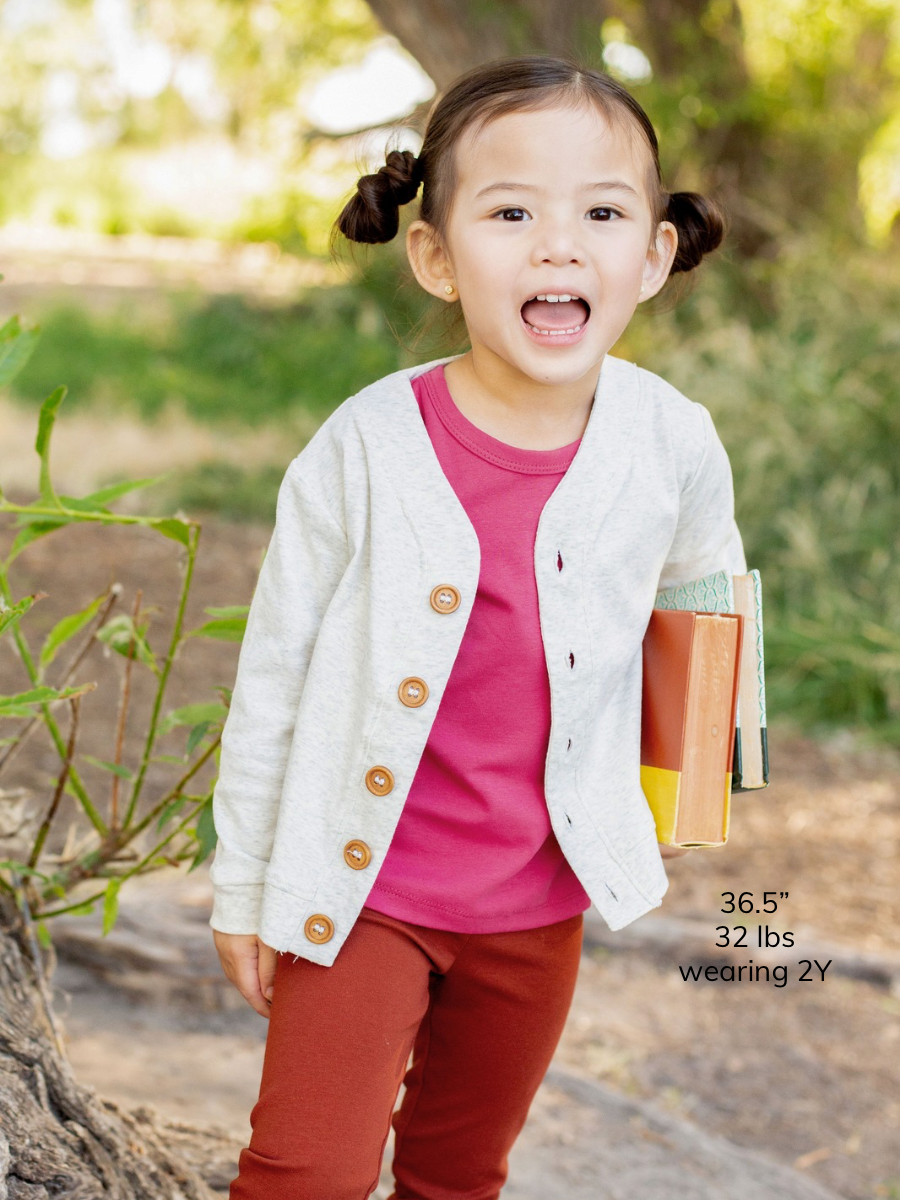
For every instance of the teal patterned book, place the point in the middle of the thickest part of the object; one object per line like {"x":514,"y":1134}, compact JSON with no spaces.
{"x":726,"y":593}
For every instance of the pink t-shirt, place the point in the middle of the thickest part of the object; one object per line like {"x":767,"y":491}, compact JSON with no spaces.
{"x":474,"y":851}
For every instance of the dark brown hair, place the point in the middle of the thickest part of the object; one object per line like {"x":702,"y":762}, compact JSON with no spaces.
{"x":509,"y":85}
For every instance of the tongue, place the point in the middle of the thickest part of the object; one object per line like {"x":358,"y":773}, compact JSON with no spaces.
{"x":563,"y":314}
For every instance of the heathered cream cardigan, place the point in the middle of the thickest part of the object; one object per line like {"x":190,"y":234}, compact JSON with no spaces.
{"x":367,"y":527}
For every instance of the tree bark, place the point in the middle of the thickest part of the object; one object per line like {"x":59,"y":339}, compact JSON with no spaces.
{"x":448,"y":37}
{"x":57,"y":1137}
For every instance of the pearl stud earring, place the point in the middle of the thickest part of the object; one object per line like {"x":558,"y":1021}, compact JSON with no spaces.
{"x":448,"y":288}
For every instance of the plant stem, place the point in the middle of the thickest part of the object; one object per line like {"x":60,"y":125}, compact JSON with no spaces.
{"x":56,"y":912}
{"x":57,"y":795}
{"x":73,"y":515}
{"x":174,"y":643}
{"x":123,"y":715}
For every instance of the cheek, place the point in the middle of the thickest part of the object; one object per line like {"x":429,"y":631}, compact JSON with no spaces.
{"x":626,"y":256}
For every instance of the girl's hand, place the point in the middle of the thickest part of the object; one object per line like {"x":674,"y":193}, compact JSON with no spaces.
{"x":250,"y":965}
{"x":672,"y":851}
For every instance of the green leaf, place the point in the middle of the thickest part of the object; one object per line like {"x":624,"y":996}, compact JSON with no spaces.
{"x":16,"y":347}
{"x":43,"y":935}
{"x":196,"y":736}
{"x":34,"y":530}
{"x":122,"y":635}
{"x":192,"y":714}
{"x":170,"y":810}
{"x":111,"y":904}
{"x":11,"y":864}
{"x":49,"y":409}
{"x":232,"y":610}
{"x":230,"y":629}
{"x":82,"y":910}
{"x":206,"y":835}
{"x":171,"y":527}
{"x":116,"y":490}
{"x":84,"y":506}
{"x":11,"y":614}
{"x":21,"y":705}
{"x":66,"y":629}
{"x":114,"y":768}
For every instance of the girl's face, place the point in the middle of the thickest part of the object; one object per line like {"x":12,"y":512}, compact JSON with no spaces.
{"x":549,"y":203}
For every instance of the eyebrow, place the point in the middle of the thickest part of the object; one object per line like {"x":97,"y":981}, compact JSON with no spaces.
{"x":608,"y":185}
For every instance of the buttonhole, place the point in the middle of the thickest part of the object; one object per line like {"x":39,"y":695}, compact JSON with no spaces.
{"x":571,"y":659}
{"x":559,"y":561}
{"x":611,"y":892}
{"x":568,"y":818}
{"x":569,"y":747}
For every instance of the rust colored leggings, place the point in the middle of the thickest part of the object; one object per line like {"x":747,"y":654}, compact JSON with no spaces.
{"x":481,"y":1013}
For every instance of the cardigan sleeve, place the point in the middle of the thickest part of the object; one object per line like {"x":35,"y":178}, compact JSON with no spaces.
{"x":706,"y":537}
{"x":307,"y":556}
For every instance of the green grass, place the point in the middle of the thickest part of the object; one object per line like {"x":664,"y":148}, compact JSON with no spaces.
{"x":220,"y":359}
{"x":233,"y":493}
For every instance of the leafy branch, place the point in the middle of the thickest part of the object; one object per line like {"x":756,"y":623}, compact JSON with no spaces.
{"x":39,"y":880}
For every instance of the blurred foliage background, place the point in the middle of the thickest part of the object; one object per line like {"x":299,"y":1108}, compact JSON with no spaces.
{"x":148,"y":148}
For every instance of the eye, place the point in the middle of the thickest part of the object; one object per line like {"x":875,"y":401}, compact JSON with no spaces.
{"x":604,"y":214}
{"x":511,"y":214}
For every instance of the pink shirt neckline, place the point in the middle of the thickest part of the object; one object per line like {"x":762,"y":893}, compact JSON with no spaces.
{"x":485,"y":445}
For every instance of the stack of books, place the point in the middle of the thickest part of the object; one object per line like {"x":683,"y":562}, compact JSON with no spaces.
{"x":703,"y":730}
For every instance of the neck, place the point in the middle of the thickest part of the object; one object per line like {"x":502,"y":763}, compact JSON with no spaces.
{"x":517,"y":409}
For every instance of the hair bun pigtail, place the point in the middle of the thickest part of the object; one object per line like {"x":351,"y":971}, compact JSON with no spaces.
{"x":373,"y":214}
{"x":700,"y":225}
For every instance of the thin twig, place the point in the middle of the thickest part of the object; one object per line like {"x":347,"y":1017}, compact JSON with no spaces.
{"x":123,"y":714}
{"x":80,"y":654}
{"x":60,"y":786}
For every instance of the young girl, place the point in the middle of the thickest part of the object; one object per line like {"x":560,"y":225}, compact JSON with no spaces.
{"x":430,"y":766}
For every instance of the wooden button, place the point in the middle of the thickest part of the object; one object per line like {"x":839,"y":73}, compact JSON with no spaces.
{"x":379,"y":780}
{"x":413,"y":692}
{"x":319,"y":928}
{"x":445,"y":598}
{"x":357,"y":855}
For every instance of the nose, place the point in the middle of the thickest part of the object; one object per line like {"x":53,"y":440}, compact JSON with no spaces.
{"x":558,"y":242}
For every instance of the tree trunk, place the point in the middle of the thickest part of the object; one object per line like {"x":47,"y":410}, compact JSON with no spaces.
{"x":448,"y":37}
{"x":58,"y":1138}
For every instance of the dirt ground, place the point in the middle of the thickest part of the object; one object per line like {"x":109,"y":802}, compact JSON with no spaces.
{"x":808,"y":1074}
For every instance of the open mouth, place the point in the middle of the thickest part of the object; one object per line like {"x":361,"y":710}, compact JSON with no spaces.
{"x":556,"y":314}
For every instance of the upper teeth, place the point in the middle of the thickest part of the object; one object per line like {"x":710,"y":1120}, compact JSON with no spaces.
{"x":556,"y":299}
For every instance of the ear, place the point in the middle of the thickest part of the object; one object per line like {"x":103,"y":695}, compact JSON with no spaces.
{"x":660,"y":257}
{"x":429,"y":261}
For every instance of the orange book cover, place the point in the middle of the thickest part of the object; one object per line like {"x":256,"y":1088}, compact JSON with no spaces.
{"x":691,"y":672}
